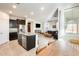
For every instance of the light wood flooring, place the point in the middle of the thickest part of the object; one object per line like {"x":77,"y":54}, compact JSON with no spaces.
{"x":60,"y":48}
{"x":12,"y":48}
{"x":56,"y":48}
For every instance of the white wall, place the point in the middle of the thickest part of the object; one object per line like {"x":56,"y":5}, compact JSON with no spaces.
{"x":4,"y":27}
{"x":45,"y":26}
{"x":48,"y":26}
{"x":32,"y":25}
{"x":51,"y":26}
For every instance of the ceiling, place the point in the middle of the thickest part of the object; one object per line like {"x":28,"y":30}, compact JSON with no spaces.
{"x":24,"y":9}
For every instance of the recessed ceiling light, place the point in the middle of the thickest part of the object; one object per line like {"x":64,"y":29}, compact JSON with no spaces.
{"x":32,"y":13}
{"x":42,"y":8}
{"x":14,"y":6}
{"x":10,"y":12}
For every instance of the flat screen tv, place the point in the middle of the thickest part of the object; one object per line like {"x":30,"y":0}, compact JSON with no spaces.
{"x":37,"y":25}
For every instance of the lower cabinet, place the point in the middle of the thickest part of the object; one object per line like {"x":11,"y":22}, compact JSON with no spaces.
{"x":20,"y":39}
{"x":13,"y":36}
{"x":30,"y":42}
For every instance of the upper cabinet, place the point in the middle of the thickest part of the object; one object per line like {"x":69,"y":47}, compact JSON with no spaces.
{"x":22,"y":22}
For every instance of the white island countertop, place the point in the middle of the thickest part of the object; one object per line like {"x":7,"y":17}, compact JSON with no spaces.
{"x":28,"y":34}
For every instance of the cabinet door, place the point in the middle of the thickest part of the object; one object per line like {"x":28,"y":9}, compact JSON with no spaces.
{"x":24,"y":41}
{"x":30,"y":42}
{"x":20,"y":39}
{"x":34,"y":40}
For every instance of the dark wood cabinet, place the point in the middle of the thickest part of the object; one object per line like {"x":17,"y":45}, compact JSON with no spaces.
{"x":13,"y":36}
{"x":12,"y":26}
{"x":22,"y":22}
{"x":30,"y":42}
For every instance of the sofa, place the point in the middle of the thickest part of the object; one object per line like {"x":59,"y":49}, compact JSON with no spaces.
{"x":54,"y":34}
{"x":47,"y":34}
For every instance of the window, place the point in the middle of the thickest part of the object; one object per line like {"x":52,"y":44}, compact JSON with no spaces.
{"x":72,"y":20}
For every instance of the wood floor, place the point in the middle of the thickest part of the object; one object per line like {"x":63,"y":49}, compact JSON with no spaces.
{"x":60,"y":48}
{"x":12,"y":48}
{"x":56,"y":48}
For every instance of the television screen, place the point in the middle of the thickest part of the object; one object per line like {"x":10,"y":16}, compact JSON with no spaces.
{"x":37,"y":25}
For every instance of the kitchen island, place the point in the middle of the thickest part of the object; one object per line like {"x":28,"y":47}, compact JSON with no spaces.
{"x":27,"y":41}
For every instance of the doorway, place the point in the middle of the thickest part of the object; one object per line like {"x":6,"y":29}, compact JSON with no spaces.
{"x":29,"y":27}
